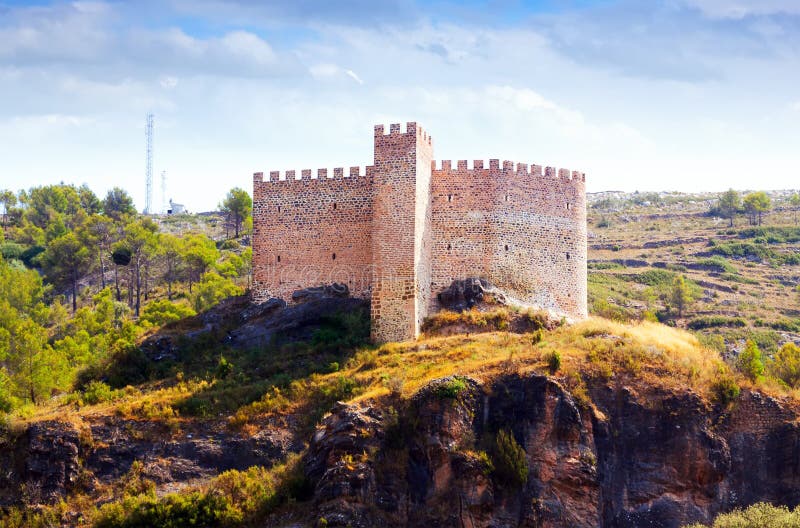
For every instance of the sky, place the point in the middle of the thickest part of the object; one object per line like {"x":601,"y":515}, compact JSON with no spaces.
{"x":687,"y":95}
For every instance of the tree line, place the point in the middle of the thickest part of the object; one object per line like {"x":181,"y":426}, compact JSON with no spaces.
{"x":753,"y":205}
{"x":81,"y":278}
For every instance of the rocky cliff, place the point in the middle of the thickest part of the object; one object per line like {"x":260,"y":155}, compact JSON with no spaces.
{"x":632,"y":457}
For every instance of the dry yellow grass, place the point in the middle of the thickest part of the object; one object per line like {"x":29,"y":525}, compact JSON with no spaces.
{"x":658,"y":356}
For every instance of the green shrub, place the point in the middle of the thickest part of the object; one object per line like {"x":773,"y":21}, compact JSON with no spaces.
{"x":554,"y":361}
{"x":509,"y":460}
{"x":786,"y":365}
{"x":724,"y":388}
{"x":750,"y":361}
{"x":98,"y":392}
{"x":212,"y":289}
{"x":761,"y":515}
{"x":11,"y":250}
{"x":451,"y":388}
{"x":161,"y":312}
{"x":718,"y":263}
{"x":224,"y":368}
{"x":713,"y":321}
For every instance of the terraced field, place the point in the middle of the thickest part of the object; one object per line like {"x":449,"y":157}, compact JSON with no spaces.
{"x":744,"y":279}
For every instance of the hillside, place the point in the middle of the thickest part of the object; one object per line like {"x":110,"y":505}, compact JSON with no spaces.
{"x":595,"y":424}
{"x":276,"y":415}
{"x":745,"y":277}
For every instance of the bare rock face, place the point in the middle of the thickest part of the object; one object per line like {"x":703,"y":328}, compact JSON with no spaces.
{"x":464,"y":294}
{"x":658,"y":459}
{"x":52,"y":466}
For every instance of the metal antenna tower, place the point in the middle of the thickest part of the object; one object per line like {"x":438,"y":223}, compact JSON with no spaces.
{"x":163,"y":192}
{"x":148,"y":198}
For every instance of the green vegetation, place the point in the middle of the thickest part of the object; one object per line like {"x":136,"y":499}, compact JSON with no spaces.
{"x":509,"y":460}
{"x":759,"y":515}
{"x":237,"y":207}
{"x":451,"y":389}
{"x":750,"y":361}
{"x":112,"y":267}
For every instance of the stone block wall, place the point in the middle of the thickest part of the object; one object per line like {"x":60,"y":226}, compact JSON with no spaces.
{"x":401,"y":221}
{"x":313,"y":230}
{"x":523,"y":230}
{"x":401,"y":230}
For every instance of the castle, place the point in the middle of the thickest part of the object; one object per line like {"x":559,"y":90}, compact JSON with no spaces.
{"x":404,"y":228}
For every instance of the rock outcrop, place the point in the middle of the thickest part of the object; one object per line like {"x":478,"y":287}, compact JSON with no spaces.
{"x":630,"y":459}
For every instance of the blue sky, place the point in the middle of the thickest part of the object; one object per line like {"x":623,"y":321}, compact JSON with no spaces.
{"x":693,"y":95}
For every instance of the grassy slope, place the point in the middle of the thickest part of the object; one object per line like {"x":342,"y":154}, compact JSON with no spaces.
{"x":760,"y":293}
{"x":298,"y":383}
{"x":649,"y":355}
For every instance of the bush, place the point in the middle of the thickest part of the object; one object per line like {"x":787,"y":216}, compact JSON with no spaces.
{"x":714,"y":321}
{"x":750,"y":362}
{"x":724,"y":389}
{"x":451,"y":388}
{"x":786,"y":365}
{"x":761,"y":515}
{"x":98,"y":392}
{"x":211,"y":290}
{"x":554,"y":361}
{"x":509,"y":460}
{"x":161,"y":312}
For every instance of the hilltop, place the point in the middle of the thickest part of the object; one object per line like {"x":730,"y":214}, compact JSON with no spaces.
{"x":276,"y":415}
{"x":552,"y":426}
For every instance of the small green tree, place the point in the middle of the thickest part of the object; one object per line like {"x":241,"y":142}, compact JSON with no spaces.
{"x":118,"y":204}
{"x":786,"y":365}
{"x":510,"y":460}
{"x":730,"y":203}
{"x":750,"y":361}
{"x":65,"y":261}
{"x":237,"y":206}
{"x":755,"y":205}
{"x":681,"y":295}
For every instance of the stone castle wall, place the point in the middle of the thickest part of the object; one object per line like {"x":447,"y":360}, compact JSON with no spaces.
{"x":401,"y":230}
{"x":523,"y":230}
{"x":313,"y":230}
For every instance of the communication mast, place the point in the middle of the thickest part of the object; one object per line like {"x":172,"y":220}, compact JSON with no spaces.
{"x":148,"y":197}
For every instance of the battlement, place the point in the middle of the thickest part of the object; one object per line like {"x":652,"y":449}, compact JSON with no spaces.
{"x":482,"y":167}
{"x":411,"y":129}
{"x":338,"y":173}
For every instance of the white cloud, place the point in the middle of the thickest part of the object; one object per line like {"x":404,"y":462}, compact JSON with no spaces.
{"x":795,"y":106}
{"x":354,"y":76}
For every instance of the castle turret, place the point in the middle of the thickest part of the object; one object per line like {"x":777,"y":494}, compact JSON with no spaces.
{"x":401,"y":232}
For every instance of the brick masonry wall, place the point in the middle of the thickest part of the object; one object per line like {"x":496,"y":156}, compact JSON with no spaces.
{"x":522,"y":230}
{"x":402,"y":230}
{"x":312,"y":231}
{"x":400,"y":213}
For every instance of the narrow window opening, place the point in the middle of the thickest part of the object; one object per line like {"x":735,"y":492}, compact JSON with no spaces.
{"x":279,"y":208}
{"x":334,"y":207}
{"x":506,"y":197}
{"x":279,"y":258}
{"x":569,"y":206}
{"x":567,"y":256}
{"x":334,"y":256}
{"x":449,"y":247}
{"x":449,"y":197}
{"x":506,"y":247}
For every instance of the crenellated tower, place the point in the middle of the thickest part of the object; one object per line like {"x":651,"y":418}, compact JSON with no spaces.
{"x":401,"y":231}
